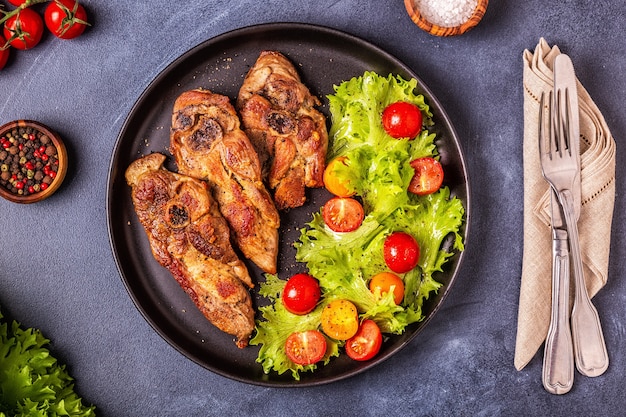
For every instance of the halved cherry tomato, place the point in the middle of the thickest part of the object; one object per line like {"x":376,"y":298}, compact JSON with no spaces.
{"x":402,"y":120}
{"x":66,"y":19}
{"x":401,"y":252}
{"x":305,"y":348}
{"x":343,"y":214}
{"x":382,"y":283}
{"x":366,"y":343}
{"x":24,"y":30}
{"x":340,"y":319}
{"x":4,"y":53}
{"x":301,"y":294}
{"x":428,"y":176}
{"x":333,"y":184}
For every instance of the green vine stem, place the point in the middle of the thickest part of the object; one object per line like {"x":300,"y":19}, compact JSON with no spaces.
{"x":8,"y":14}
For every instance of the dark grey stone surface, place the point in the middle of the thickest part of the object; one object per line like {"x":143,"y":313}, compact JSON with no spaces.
{"x":57,"y":272}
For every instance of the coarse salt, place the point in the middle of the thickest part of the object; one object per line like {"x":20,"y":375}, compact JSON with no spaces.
{"x":446,"y":13}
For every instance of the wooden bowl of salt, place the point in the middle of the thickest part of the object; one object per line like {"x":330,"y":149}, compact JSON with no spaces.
{"x":446,"y":17}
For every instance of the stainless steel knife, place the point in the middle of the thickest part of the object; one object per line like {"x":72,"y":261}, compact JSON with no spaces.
{"x":589,"y":347}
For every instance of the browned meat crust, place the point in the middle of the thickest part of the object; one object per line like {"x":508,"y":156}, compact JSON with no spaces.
{"x":207,"y":143}
{"x":278,"y":114}
{"x":190,"y":238}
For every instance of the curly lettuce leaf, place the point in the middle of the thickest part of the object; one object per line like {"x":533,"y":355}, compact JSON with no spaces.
{"x":32,"y":383}
{"x":377,"y":167}
{"x":278,"y":324}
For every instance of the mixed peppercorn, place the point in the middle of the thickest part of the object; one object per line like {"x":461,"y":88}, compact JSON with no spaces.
{"x":29,"y":161}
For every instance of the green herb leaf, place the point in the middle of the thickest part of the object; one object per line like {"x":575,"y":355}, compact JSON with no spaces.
{"x":32,"y":383}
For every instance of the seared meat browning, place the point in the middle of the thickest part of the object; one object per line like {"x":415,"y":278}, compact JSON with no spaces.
{"x":278,"y":114}
{"x":190,"y":238}
{"x":207,"y":143}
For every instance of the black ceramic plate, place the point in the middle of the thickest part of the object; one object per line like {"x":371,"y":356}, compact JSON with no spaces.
{"x":324,"y":57}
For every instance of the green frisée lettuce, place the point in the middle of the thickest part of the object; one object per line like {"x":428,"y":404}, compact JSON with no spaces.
{"x":378,"y":168}
{"x":32,"y":383}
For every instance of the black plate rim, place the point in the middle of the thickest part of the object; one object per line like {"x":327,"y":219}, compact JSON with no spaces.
{"x":357,"y":41}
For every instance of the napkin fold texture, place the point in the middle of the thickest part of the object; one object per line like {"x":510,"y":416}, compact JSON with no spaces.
{"x":598,"y":195}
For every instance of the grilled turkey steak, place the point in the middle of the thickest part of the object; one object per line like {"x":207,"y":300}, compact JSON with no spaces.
{"x":279,"y":116}
{"x":190,"y":238}
{"x":208,"y":143}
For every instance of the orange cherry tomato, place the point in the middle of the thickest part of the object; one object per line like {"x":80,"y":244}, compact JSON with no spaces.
{"x":383,"y":282}
{"x":305,"y":348}
{"x":340,"y":188}
{"x":366,"y":343}
{"x":340,"y":319}
{"x":343,"y":214}
{"x":428,"y":176}
{"x":402,"y":120}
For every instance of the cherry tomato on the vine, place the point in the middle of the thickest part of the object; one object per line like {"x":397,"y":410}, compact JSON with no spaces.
{"x":340,"y":319}
{"x":17,"y":2}
{"x":66,"y":19}
{"x":428,"y":176}
{"x":305,"y":348}
{"x":366,"y":343}
{"x":301,"y":294}
{"x":402,"y":120}
{"x":340,"y":188}
{"x":343,"y":214}
{"x":24,"y":29}
{"x":4,"y":53}
{"x":401,"y":252}
{"x":382,"y":283}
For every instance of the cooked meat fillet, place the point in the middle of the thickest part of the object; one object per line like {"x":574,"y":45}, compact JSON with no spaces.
{"x":190,"y":238}
{"x":278,"y":114}
{"x":207,"y":143}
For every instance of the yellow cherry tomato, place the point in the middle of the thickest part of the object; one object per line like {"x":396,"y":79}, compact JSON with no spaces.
{"x":340,"y":188}
{"x":340,"y":319}
{"x":382,"y":283}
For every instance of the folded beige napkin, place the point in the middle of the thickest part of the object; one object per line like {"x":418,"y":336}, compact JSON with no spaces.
{"x":598,"y":193}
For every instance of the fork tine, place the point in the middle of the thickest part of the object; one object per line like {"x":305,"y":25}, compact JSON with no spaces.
{"x":548,"y":142}
{"x":563,"y":112}
{"x":574,"y":140}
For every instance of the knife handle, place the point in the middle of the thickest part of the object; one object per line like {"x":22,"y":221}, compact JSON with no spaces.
{"x":592,"y":358}
{"x":558,"y":357}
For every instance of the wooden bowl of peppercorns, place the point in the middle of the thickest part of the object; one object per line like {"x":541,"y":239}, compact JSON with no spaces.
{"x":33,"y":161}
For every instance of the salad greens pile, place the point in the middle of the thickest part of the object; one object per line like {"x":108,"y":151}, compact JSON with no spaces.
{"x":32,"y":383}
{"x":378,"y":167}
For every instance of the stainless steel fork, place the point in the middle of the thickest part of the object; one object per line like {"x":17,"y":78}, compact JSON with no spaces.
{"x":560,"y":164}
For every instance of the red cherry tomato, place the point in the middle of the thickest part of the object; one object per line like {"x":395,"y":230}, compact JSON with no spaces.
{"x":401,"y":252}
{"x":305,"y":348}
{"x":382,"y":283}
{"x":428,"y":176}
{"x":402,"y":120}
{"x":366,"y":343}
{"x":4,"y":53}
{"x":343,"y":214}
{"x":301,"y":294}
{"x":17,"y":2}
{"x":66,"y":19}
{"x":24,"y":30}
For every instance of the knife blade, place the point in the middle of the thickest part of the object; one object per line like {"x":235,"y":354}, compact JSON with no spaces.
{"x":590,"y":352}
